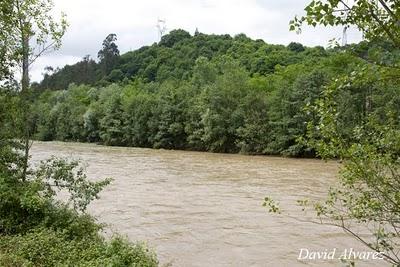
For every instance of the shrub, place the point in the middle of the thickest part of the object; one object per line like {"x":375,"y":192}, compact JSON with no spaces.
{"x":47,"y":247}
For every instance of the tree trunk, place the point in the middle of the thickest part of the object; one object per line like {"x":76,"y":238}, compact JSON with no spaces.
{"x":24,"y":93}
{"x":25,"y":62}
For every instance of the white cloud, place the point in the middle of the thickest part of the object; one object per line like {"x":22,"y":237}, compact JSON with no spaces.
{"x":55,"y":61}
{"x":134,"y":23}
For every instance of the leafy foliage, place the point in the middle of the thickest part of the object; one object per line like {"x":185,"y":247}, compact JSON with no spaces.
{"x":24,"y":23}
{"x":222,"y":106}
{"x":108,"y":55}
{"x":174,"y":58}
{"x":376,"y":19}
{"x":368,"y":192}
{"x":365,"y":134}
{"x":47,"y":247}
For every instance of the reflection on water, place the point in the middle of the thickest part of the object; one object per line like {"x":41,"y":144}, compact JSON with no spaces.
{"x":204,"y":209}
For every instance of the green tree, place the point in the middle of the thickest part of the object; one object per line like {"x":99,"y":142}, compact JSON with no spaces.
{"x":253,"y":135}
{"x":288,"y":116}
{"x":376,"y":19}
{"x":174,"y":37}
{"x":45,"y":117}
{"x":109,"y":54}
{"x":296,"y":47}
{"x":7,"y":54}
{"x":91,"y":120}
{"x":139,"y":108}
{"x":26,"y":22}
{"x":220,"y":102}
{"x":112,"y":124}
{"x":368,"y":193}
{"x":171,"y":117}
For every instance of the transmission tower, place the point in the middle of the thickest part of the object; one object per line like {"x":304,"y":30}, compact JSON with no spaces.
{"x":161,"y":27}
{"x":344,"y":37}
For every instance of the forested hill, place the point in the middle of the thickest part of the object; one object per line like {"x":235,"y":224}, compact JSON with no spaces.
{"x":174,"y":58}
{"x":209,"y":93}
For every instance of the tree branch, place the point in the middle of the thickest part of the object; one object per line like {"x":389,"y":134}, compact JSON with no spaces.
{"x":345,"y":5}
{"x":382,"y":2}
{"x":31,"y":61}
{"x":388,"y":257}
{"x":383,"y":26}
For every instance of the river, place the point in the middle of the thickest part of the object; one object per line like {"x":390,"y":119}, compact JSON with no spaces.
{"x":205,"y":209}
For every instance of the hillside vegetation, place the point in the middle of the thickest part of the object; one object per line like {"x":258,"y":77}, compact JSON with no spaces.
{"x":205,"y":92}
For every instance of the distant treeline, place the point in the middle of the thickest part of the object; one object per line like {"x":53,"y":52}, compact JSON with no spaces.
{"x":173,"y":58}
{"x":204,"y":92}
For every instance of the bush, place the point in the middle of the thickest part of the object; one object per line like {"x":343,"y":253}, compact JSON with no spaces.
{"x":47,"y":247}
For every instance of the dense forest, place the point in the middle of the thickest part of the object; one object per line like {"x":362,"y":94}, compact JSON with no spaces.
{"x":205,"y":92}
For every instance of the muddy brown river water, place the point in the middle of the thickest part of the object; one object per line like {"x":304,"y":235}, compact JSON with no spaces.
{"x":205,"y":209}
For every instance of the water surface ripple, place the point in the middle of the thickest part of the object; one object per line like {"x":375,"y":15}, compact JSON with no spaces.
{"x":205,"y":209}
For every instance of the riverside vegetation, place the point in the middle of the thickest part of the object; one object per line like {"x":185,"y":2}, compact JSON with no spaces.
{"x":206,"y":92}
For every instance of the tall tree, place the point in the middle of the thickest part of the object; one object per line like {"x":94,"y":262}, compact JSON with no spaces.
{"x":29,"y":31}
{"x":109,"y":54}
{"x":6,"y":52}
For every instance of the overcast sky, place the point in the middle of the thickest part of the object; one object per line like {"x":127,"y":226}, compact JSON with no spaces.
{"x":135,"y":21}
